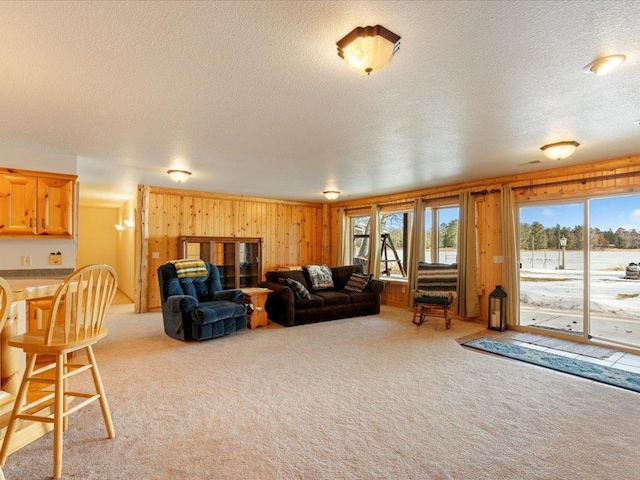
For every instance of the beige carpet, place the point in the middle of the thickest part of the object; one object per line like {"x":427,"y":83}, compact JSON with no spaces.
{"x":365,"y":398}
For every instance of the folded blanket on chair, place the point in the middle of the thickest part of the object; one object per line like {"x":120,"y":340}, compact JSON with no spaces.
{"x":437,"y":279}
{"x":190,"y":268}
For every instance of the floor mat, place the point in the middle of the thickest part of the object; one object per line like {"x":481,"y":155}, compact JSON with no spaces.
{"x":599,"y":373}
{"x":560,"y":344}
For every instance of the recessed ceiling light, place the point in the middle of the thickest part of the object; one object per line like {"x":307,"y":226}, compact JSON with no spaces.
{"x":637,"y":122}
{"x":603,"y":65}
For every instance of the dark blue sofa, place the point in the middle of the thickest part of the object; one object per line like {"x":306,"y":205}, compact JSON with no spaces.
{"x":197,"y":308}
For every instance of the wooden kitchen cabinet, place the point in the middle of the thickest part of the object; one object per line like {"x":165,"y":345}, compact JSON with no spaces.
{"x":18,"y":205}
{"x":36,"y":204}
{"x":55,"y":206}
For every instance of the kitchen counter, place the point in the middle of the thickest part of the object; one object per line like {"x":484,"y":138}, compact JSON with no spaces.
{"x":36,"y":273}
{"x":30,"y":288}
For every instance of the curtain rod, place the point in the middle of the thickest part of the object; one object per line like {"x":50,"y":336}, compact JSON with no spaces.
{"x":583,"y":181}
{"x":402,"y":202}
{"x":484,"y":192}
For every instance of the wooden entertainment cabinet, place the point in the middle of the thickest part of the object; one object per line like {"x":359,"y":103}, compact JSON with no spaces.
{"x":239,"y":259}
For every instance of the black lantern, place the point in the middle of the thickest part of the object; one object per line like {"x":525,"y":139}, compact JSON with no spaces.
{"x":497,"y":309}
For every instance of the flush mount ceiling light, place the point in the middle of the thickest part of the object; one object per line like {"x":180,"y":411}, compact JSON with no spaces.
{"x":368,"y":50}
{"x":331,"y":194}
{"x":560,"y":150}
{"x":603,"y":65}
{"x":179,"y":175}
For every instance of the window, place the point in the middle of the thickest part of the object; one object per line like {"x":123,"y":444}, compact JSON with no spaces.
{"x":360,"y":228}
{"x":395,"y":228}
{"x":441,"y":234}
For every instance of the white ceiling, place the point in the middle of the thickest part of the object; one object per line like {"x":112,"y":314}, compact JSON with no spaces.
{"x":253,"y":99}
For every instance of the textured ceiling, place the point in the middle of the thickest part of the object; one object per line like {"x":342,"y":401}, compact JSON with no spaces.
{"x":253,"y":99}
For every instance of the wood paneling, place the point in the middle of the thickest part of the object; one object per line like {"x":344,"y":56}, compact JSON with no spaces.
{"x":489,"y":247}
{"x":292,"y":232}
{"x":395,"y":293}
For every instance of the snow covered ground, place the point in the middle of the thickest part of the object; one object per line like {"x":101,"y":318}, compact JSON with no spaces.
{"x":609,"y":291}
{"x":554,"y":298}
{"x":574,"y":260}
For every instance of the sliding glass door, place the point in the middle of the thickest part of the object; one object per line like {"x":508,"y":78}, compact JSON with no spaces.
{"x":579,"y":273}
{"x":614,"y":283}
{"x":552,"y":287}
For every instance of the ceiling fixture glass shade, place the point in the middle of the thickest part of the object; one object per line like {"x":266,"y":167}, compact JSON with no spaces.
{"x":560,"y":150}
{"x":603,"y":65}
{"x":331,"y":194}
{"x":179,"y":175}
{"x":128,"y":223}
{"x":368,"y":50}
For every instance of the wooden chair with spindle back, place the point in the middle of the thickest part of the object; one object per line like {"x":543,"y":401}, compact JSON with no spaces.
{"x":5,"y":303}
{"x":74,"y":323}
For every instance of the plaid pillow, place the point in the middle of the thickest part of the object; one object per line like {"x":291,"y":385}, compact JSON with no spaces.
{"x":320,"y":276}
{"x":299,"y":290}
{"x":357,"y":282}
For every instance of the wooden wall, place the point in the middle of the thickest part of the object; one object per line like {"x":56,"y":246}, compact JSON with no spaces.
{"x":608,"y":177}
{"x":299,"y":233}
{"x":292,"y":232}
{"x":395,"y":293}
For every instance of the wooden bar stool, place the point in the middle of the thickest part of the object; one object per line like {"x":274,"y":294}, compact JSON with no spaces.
{"x":38,"y":312}
{"x":76,"y":323}
{"x":5,"y":302}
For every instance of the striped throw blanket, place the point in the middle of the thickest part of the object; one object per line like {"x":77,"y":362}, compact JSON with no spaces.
{"x":437,"y":279}
{"x":190,"y":268}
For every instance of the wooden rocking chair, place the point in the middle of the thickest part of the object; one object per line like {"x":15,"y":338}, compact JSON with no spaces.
{"x":437,"y":289}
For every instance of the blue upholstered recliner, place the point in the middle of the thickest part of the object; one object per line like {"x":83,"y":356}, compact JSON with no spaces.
{"x":196,"y":307}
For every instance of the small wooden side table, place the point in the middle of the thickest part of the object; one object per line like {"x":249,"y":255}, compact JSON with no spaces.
{"x":256,"y":296}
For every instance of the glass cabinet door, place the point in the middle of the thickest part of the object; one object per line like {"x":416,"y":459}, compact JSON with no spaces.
{"x":249,"y":259}
{"x":239,"y":260}
{"x":224,"y":257}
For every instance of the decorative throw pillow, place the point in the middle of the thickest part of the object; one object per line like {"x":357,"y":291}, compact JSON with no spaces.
{"x":357,"y":282}
{"x":320,"y":276}
{"x":299,"y":290}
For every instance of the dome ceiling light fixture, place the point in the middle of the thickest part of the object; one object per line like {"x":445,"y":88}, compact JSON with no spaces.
{"x":331,"y":194}
{"x":560,"y":150}
{"x":179,"y":175}
{"x":603,"y":65}
{"x":368,"y":50}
